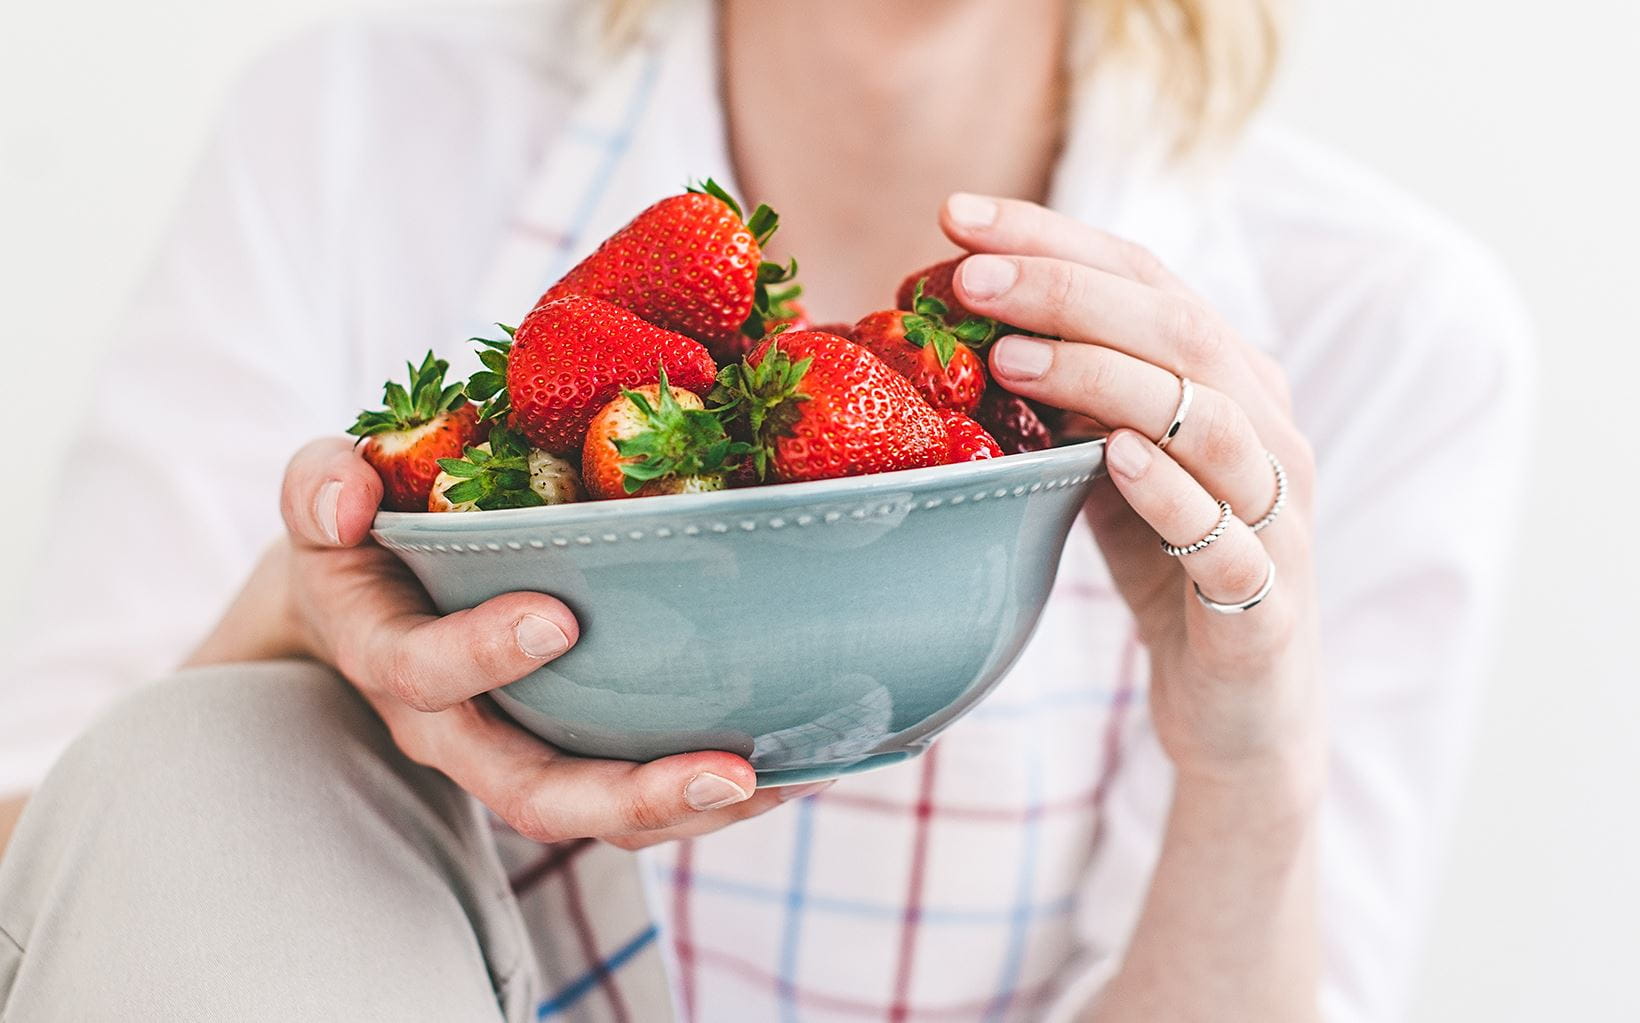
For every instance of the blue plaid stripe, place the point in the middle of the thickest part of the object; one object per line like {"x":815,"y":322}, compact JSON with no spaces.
{"x":614,"y":147}
{"x":577,"y":989}
{"x":796,"y":895}
{"x":1020,"y":929}
{"x":936,"y":916}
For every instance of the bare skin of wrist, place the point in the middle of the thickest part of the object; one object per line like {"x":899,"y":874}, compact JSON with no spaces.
{"x":260,"y":624}
{"x":1230,"y":918}
{"x":11,"y":808}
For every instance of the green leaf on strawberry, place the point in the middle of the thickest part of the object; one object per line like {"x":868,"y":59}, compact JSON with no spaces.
{"x":927,"y":325}
{"x":766,"y":396}
{"x":495,"y":478}
{"x":676,"y":441}
{"x":426,"y":399}
{"x":489,"y":385}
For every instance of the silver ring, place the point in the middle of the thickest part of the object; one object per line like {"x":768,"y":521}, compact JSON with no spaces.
{"x":1206,"y":541}
{"x":1281,"y":495}
{"x":1187,"y":394}
{"x":1246,"y":605}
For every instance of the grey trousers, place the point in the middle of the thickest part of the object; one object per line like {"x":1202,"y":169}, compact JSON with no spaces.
{"x":245,"y":843}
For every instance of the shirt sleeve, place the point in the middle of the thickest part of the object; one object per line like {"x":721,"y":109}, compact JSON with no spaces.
{"x":1420,"y":418}
{"x":214,"y":374}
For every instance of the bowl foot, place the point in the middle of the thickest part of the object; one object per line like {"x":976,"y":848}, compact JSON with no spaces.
{"x":828,"y":772}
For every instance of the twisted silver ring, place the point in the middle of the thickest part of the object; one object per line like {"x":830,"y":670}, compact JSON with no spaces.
{"x":1281,"y":495}
{"x":1207,"y":541}
{"x":1245,"y":605}
{"x":1187,"y":394}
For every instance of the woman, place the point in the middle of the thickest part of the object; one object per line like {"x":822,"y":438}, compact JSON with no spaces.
{"x":1212,"y":785}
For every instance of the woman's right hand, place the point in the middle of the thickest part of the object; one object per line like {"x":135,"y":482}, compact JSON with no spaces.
{"x":355,"y":606}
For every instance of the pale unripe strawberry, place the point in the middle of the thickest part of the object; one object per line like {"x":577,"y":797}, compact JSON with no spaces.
{"x":518,"y":477}
{"x":655,"y":440}
{"x":553,"y":479}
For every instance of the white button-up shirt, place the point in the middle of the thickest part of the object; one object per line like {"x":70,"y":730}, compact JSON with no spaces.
{"x":390,"y":185}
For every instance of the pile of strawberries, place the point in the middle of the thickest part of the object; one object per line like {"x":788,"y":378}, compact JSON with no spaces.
{"x":675,"y":359}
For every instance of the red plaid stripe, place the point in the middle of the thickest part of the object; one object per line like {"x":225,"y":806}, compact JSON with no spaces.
{"x":924,"y":811}
{"x":556,"y":858}
{"x":821,"y":1000}
{"x":682,"y":941}
{"x":589,"y":943}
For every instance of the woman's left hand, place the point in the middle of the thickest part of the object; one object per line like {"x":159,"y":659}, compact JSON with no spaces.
{"x":1232,"y":696}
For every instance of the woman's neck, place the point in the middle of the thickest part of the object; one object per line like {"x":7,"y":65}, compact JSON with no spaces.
{"x":855,"y":118}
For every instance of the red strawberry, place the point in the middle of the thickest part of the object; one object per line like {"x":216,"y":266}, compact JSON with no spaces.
{"x":1012,"y":422}
{"x":405,"y":440}
{"x":570,"y":358}
{"x":843,"y":330}
{"x":689,"y":263}
{"x":937,"y":284}
{"x":936,"y":281}
{"x":966,"y":440}
{"x":937,"y":358}
{"x":656,"y":440}
{"x":818,"y":406}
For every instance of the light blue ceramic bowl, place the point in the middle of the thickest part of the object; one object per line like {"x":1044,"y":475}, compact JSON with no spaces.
{"x":816,"y":628}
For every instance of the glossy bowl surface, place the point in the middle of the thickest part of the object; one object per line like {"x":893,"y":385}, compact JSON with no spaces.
{"x":816,"y":628}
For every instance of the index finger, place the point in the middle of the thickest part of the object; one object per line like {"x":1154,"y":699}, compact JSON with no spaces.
{"x":983,"y":223}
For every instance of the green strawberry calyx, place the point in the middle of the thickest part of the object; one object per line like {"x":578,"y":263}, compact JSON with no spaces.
{"x":425,"y":400}
{"x":493,"y":475}
{"x":771,"y":305}
{"x":489,"y":385}
{"x":928,"y":324}
{"x":763,"y":221}
{"x":767,"y":397}
{"x":675,"y":441}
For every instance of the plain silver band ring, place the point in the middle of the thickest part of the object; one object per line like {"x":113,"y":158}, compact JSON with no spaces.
{"x":1281,"y":495}
{"x":1187,"y":394}
{"x":1207,"y":541}
{"x":1245,"y":605}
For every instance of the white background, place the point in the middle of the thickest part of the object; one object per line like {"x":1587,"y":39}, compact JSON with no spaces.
{"x":1520,"y":119}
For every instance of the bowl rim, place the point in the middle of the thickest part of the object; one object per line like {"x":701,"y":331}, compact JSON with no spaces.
{"x":774,"y":494}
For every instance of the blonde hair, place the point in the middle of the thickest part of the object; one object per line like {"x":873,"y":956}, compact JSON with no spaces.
{"x":1206,"y":63}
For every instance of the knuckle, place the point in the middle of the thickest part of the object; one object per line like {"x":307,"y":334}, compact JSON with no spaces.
{"x":1063,"y":290}
{"x":1226,"y":434}
{"x":527,"y":817}
{"x":1094,"y":376}
{"x":632,"y":843}
{"x":1238,"y":578}
{"x":1192,"y":332}
{"x":401,"y":681}
{"x":1140,"y":261}
{"x":496,"y":656}
{"x":641,"y":813}
{"x":1177,"y":509}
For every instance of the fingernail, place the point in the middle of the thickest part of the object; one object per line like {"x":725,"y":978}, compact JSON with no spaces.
{"x":712,"y":792}
{"x":324,"y":510}
{"x":540,"y":637}
{"x":988,"y":276}
{"x":787,"y":793}
{"x":1127,"y":455}
{"x":1021,"y":358}
{"x":971,"y":210}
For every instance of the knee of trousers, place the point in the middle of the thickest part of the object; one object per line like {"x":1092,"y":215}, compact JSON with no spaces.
{"x":264,"y":741}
